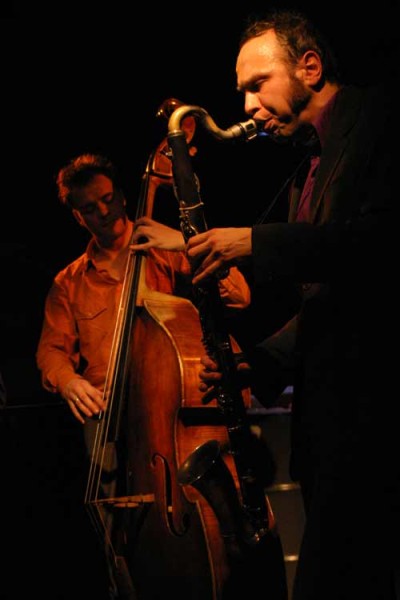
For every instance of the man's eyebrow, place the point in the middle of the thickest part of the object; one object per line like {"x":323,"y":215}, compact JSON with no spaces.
{"x":250,"y":82}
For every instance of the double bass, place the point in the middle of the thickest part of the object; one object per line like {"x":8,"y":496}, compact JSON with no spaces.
{"x":176,"y":534}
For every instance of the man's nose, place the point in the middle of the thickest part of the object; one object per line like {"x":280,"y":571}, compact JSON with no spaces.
{"x":102,"y":207}
{"x":251,"y":103}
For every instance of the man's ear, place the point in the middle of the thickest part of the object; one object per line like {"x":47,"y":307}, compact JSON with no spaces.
{"x":310,"y":68}
{"x":78,"y":217}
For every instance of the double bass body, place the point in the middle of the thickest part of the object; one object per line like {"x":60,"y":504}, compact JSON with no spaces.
{"x":176,"y":539}
{"x":174,"y":542}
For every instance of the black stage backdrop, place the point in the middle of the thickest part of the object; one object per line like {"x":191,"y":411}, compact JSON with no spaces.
{"x":91,"y":78}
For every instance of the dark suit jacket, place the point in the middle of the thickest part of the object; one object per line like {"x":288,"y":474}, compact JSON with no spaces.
{"x":344,"y":428}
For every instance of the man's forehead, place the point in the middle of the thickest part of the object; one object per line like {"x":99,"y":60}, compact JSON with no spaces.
{"x":258,"y":54}
{"x":96,"y":188}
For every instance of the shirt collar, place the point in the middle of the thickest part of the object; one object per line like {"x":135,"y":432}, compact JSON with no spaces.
{"x":89,"y":255}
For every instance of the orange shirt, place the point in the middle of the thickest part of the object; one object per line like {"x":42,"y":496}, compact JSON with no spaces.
{"x":81,"y":308}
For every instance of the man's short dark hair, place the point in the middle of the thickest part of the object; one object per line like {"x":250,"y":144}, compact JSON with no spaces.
{"x":80,"y":171}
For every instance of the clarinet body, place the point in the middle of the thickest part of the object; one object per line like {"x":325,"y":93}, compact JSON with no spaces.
{"x":247,"y":520}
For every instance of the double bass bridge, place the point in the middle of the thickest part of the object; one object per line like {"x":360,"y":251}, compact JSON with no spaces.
{"x":128,"y":501}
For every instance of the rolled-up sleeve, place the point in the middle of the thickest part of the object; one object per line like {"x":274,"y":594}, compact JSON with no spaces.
{"x":57,"y":354}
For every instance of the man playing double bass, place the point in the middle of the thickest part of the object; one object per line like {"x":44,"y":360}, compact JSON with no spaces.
{"x":81,"y":306}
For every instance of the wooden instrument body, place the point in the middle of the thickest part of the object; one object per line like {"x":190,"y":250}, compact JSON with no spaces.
{"x":175,"y":541}
{"x":165,"y":539}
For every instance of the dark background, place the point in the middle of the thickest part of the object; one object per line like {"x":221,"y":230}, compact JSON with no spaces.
{"x":84,"y":80}
{"x":90,"y":78}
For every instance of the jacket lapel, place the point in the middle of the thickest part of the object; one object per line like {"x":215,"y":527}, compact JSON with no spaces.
{"x":335,"y":144}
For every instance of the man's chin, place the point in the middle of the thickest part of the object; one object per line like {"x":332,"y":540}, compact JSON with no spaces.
{"x":280,"y":139}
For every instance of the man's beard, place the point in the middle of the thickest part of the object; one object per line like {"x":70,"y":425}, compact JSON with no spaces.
{"x":300,"y":97}
{"x":304,"y":133}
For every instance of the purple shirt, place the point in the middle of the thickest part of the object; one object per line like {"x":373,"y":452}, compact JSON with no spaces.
{"x":321,"y":127}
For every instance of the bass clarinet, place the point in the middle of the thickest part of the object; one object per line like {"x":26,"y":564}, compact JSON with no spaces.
{"x":245,"y":517}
